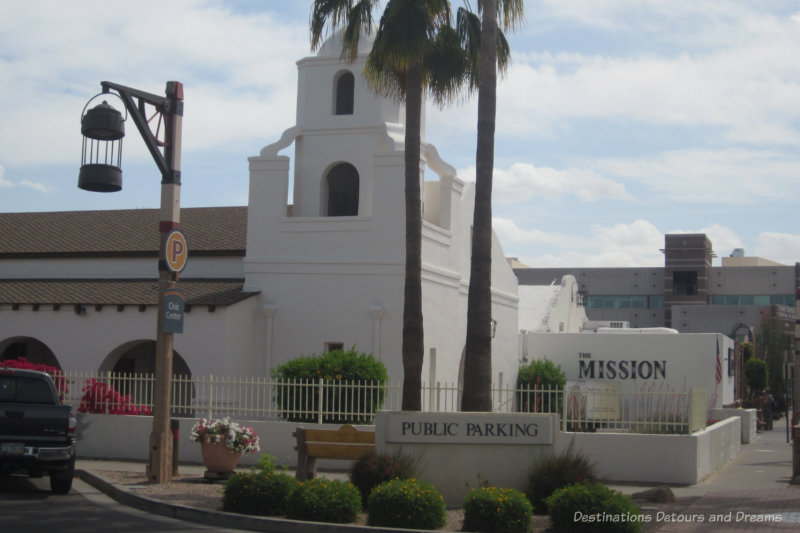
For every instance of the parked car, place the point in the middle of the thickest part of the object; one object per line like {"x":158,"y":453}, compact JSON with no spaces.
{"x":37,"y":432}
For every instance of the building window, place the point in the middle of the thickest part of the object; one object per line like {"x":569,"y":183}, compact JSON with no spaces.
{"x":753,"y":299}
{"x":655,"y":301}
{"x":333,"y":346}
{"x":345,"y":93}
{"x":684,"y":283}
{"x":342,"y":188}
{"x":615,"y":302}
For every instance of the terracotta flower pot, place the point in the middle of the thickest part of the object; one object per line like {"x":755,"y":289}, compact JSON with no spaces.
{"x":217,"y":457}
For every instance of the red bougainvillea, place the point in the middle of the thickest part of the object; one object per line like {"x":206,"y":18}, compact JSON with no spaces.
{"x":100,"y":397}
{"x":58,"y":377}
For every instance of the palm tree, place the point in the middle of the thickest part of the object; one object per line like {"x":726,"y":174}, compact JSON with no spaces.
{"x":413,"y":39}
{"x":478,"y":351}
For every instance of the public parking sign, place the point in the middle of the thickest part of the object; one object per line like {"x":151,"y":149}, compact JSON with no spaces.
{"x":176,"y":251}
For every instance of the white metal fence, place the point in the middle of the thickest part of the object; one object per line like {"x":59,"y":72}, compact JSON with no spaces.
{"x":341,"y":401}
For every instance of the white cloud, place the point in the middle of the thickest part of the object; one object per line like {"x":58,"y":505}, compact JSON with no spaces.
{"x":238,"y":70}
{"x":3,"y":181}
{"x":36,"y":186}
{"x":741,"y":80}
{"x":781,"y":247}
{"x":620,"y":245}
{"x":732,"y":176}
{"x":523,"y":182}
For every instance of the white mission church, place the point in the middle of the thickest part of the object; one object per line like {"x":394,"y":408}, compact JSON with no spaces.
{"x":276,"y":279}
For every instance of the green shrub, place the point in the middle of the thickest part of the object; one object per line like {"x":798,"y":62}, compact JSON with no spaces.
{"x":406,"y":503}
{"x":756,"y":375}
{"x":299,"y":395}
{"x":266,"y":464}
{"x":553,"y":472}
{"x":258,"y":493}
{"x":325,"y":500}
{"x":541,"y":374}
{"x":372,"y":469}
{"x":495,"y":510}
{"x":593,"y":507}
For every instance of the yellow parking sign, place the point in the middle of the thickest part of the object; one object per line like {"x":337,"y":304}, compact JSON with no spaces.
{"x":176,"y":251}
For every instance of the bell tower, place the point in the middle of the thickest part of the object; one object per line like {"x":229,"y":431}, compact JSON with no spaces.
{"x":343,"y":124}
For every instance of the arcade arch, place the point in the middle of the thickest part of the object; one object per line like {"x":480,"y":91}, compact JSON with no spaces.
{"x":30,"y":348}
{"x":137,"y":358}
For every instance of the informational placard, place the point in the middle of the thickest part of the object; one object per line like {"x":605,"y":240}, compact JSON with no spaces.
{"x":173,"y":311}
{"x":596,"y":400}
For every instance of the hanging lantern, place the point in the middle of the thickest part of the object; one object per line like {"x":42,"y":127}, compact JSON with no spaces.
{"x":102,"y":128}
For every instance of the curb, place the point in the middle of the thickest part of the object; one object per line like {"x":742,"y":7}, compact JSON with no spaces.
{"x":222,"y":518}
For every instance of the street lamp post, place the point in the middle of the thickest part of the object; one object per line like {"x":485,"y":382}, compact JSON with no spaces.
{"x":103,"y":129}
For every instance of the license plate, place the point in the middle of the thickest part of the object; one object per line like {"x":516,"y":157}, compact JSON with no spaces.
{"x":12,"y":448}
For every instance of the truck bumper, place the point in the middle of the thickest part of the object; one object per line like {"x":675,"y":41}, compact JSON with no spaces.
{"x":48,"y":455}
{"x":43,"y":459}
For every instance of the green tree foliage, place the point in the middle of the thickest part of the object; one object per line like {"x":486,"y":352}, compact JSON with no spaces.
{"x":747,"y":351}
{"x":298,"y":390}
{"x":756,"y":375}
{"x":532,"y":378}
{"x":773,"y":341}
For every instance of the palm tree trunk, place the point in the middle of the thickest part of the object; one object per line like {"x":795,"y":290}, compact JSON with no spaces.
{"x":413,"y":339}
{"x":478,"y":353}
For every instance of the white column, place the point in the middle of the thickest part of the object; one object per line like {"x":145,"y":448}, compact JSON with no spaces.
{"x":377,"y":313}
{"x":269,"y":312}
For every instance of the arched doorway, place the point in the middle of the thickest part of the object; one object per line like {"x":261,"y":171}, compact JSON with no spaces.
{"x":34,"y":350}
{"x":131,"y":367}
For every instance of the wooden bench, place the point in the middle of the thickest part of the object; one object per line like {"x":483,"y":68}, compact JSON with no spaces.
{"x":346,"y":443}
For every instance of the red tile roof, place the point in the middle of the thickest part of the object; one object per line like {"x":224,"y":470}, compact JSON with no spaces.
{"x":126,"y":232}
{"x":221,"y":292}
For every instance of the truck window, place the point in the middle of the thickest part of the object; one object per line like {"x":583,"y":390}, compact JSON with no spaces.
{"x":24,"y":390}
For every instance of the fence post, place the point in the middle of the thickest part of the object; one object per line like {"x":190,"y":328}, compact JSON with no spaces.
{"x":321,"y":392}
{"x":210,"y":394}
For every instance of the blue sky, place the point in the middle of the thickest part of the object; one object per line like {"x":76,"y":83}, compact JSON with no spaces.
{"x":618,"y":121}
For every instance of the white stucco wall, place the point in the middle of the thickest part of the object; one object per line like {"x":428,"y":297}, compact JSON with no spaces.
{"x":689,"y":360}
{"x":219,"y":342}
{"x":340,"y":279}
{"x":320,"y":279}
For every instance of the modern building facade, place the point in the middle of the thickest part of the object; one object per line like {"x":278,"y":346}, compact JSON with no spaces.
{"x":688,"y":293}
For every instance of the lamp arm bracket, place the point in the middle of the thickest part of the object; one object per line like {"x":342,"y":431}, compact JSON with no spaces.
{"x":165,"y":105}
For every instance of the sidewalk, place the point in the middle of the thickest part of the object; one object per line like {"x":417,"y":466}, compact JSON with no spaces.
{"x":751,"y":493}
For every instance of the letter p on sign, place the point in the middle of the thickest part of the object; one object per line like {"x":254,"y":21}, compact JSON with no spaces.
{"x":176,"y":251}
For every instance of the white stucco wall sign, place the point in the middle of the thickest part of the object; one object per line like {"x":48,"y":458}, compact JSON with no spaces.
{"x":638,"y":362}
{"x":472,"y":428}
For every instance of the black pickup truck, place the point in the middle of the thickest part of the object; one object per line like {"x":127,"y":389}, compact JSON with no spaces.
{"x":37,"y":432}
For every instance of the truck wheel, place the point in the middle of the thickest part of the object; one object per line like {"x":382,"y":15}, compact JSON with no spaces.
{"x":61,"y":481}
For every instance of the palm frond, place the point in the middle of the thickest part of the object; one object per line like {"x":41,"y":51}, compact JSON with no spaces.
{"x":326,"y":12}
{"x":511,"y":13}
